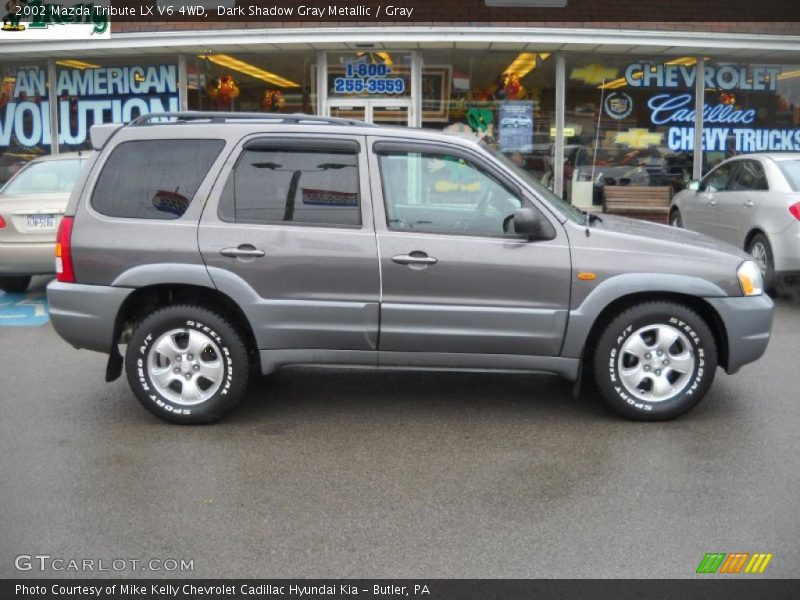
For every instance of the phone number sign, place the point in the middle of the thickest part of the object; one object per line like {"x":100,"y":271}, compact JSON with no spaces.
{"x":367,"y":78}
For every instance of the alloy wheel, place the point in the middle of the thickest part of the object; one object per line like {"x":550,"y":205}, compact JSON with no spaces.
{"x":656,"y":362}
{"x":185,"y":366}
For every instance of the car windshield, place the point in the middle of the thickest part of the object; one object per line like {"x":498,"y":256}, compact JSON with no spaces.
{"x":48,"y":176}
{"x":791,"y":170}
{"x":562,"y":206}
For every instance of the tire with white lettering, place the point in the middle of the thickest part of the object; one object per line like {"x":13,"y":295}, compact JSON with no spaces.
{"x":655,"y":361}
{"x":187,"y":364}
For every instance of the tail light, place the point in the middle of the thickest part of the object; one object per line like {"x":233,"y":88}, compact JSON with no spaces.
{"x":795,"y":210}
{"x":2,"y":223}
{"x":64,"y":270}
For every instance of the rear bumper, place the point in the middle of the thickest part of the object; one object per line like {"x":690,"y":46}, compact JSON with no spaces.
{"x":27,"y":258}
{"x":748,"y":323}
{"x":84,"y":315}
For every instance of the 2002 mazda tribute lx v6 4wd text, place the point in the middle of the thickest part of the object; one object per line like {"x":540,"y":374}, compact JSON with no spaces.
{"x":199,"y":248}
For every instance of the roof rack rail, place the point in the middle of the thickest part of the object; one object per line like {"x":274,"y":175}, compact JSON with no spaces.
{"x":227,"y":117}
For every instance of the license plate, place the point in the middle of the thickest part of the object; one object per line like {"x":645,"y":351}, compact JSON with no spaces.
{"x":41,"y":223}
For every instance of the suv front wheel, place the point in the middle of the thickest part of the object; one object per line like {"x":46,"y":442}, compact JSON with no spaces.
{"x":187,"y":364}
{"x":655,"y":361}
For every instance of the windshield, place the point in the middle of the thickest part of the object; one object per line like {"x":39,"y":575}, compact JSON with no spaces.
{"x":45,"y":177}
{"x":562,"y":206}
{"x":791,"y":170}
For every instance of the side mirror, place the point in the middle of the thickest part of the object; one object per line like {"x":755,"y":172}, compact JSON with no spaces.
{"x":693,"y":185}
{"x":527,"y":223}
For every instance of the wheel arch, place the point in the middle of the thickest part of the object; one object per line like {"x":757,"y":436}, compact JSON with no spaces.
{"x":142,"y":301}
{"x":699,"y":305}
{"x":754,"y":231}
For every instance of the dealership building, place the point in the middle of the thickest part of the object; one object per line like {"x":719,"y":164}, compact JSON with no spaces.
{"x":592,"y":99}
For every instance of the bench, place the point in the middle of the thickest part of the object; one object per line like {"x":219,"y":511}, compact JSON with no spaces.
{"x":638,"y":202}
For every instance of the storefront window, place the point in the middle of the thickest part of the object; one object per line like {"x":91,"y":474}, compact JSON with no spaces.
{"x":620,"y":124}
{"x":506,"y":96}
{"x":94,"y":91}
{"x":272,"y":82}
{"x":750,"y":108}
{"x":24,"y":116}
{"x":369,"y":75}
{"x":371,"y":85}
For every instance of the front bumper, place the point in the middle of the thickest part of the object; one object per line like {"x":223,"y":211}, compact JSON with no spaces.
{"x":85,"y":315}
{"x":27,"y":258}
{"x":748,"y":323}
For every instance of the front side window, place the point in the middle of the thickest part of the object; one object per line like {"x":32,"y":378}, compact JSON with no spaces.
{"x":270,"y":185}
{"x":749,"y":177}
{"x":46,"y":177}
{"x":153,"y":179}
{"x":718,"y":179}
{"x":440,"y":193}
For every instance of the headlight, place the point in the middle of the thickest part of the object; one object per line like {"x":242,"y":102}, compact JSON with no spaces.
{"x":750,"y":278}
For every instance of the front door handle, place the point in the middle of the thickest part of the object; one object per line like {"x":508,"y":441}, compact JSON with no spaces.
{"x":242,"y":251}
{"x":712,"y":202}
{"x":749,"y":204}
{"x":414,"y":258}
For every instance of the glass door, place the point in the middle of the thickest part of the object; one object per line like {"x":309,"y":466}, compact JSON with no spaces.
{"x":351,"y":110}
{"x":389,"y":113}
{"x":383,"y":112}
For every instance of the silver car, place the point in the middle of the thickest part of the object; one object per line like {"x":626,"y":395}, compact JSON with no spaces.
{"x":753,"y":203}
{"x":31,"y":206}
{"x":199,"y":252}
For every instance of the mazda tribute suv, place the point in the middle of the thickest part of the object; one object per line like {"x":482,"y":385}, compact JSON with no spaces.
{"x":199,"y":249}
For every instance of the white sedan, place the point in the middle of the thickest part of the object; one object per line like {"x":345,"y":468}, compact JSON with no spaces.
{"x":752,"y":202}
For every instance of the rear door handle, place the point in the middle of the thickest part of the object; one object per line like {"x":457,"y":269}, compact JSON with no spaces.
{"x":242,"y":251}
{"x":749,"y":204}
{"x":712,"y":202}
{"x":414,"y":258}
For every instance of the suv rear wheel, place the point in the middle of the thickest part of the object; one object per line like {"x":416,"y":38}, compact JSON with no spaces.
{"x":187,"y":364}
{"x":655,"y":361}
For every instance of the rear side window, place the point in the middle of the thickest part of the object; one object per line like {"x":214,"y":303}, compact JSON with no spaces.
{"x":791,"y":170}
{"x":301,"y":186}
{"x":153,"y":179}
{"x":749,"y":177}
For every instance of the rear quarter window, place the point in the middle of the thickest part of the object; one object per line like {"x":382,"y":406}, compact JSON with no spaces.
{"x":791,"y":170}
{"x":153,"y":179}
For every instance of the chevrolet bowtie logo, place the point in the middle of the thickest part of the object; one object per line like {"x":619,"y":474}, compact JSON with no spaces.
{"x":638,"y":138}
{"x":593,"y":74}
{"x":733,"y":563}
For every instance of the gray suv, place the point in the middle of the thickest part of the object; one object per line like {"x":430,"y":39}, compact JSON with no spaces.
{"x":200,"y":248}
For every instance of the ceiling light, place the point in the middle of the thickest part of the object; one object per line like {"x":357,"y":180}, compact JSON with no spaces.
{"x":229,"y":62}
{"x":77,"y":64}
{"x":525,"y":63}
{"x":789,"y":74}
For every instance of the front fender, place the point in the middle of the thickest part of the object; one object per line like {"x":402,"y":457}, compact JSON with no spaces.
{"x":582,"y":318}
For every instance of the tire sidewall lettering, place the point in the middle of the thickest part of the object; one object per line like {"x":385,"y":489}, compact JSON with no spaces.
{"x":142,"y":377}
{"x":688,"y":391}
